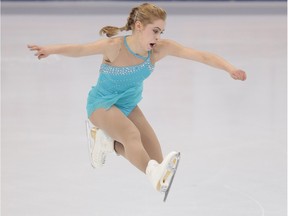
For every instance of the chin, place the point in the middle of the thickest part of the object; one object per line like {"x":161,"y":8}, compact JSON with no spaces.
{"x":149,"y":48}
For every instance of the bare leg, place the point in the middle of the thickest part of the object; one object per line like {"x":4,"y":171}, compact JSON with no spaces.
{"x":123,"y":130}
{"x":148,"y":136}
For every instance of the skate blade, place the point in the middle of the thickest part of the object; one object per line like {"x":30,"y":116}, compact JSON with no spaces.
{"x":166,"y":188}
{"x":170,"y":169}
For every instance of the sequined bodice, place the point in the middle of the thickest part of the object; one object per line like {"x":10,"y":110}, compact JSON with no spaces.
{"x":118,"y":79}
{"x":120,"y":86}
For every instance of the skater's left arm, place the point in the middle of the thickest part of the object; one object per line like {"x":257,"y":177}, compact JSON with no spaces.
{"x":172,"y":48}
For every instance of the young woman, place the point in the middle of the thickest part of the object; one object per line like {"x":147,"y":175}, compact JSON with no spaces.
{"x":112,"y":103}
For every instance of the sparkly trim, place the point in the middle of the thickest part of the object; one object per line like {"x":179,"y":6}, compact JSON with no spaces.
{"x":125,"y":70}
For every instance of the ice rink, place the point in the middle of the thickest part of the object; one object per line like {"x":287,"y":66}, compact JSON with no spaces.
{"x":231,"y":134}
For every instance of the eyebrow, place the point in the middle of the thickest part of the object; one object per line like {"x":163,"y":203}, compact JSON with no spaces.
{"x":160,"y":29}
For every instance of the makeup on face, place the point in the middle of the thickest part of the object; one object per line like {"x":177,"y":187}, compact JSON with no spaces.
{"x":157,"y":30}
{"x":150,"y":34}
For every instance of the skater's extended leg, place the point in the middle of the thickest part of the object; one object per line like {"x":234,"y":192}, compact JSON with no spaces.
{"x":123,"y":130}
{"x":130,"y":144}
{"x":148,"y":136}
{"x":160,"y":172}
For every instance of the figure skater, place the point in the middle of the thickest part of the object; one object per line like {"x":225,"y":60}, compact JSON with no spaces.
{"x":118,"y":123}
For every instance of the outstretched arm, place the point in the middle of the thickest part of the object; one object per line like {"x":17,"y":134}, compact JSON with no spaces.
{"x":72,"y":50}
{"x":175,"y":49}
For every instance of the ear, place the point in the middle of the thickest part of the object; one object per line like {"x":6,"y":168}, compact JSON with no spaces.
{"x":138,"y":26}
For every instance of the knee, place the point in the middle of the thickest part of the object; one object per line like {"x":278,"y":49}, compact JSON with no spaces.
{"x":132,"y":135}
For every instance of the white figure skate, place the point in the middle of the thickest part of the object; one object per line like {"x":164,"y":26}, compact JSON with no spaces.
{"x":99,"y":145}
{"x":162,"y":175}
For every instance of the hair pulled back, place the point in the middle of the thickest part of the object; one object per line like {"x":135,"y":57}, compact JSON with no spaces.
{"x":145,"y":13}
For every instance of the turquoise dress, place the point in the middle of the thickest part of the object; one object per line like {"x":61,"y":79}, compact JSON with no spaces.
{"x":120,"y":86}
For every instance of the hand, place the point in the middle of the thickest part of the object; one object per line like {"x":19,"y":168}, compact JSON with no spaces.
{"x":41,"y":52}
{"x":238,"y":75}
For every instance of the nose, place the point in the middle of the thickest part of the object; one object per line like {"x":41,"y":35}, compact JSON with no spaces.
{"x":158,"y":37}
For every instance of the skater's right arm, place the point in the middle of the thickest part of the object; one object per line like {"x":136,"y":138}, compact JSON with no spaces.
{"x":74,"y":50}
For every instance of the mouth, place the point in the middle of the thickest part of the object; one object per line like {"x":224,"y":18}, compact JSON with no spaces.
{"x":152,"y":45}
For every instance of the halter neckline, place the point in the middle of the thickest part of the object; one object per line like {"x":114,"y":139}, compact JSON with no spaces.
{"x":133,"y":53}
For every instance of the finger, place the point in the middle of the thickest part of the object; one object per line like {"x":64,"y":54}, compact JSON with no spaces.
{"x":30,"y":46}
{"x":41,"y":56}
{"x":239,"y":75}
{"x":243,"y":75}
{"x":33,"y":47}
{"x":234,"y":76}
{"x":38,"y":54}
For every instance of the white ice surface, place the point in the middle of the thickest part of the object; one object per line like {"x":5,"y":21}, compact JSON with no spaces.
{"x":232,"y":134}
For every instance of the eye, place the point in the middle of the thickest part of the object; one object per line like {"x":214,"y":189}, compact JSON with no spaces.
{"x":156,"y":31}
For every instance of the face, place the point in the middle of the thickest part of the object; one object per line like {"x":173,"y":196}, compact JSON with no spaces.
{"x":150,"y":34}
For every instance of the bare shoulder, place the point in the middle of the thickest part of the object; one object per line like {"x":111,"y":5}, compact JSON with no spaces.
{"x":114,"y":42}
{"x":163,"y":48}
{"x":111,"y":44}
{"x":113,"y":48}
{"x":163,"y":44}
{"x":169,"y":47}
{"x":107,"y":43}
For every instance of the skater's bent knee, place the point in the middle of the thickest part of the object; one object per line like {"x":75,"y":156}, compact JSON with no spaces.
{"x":132,"y":135}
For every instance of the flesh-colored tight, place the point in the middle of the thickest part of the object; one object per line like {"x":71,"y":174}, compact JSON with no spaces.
{"x":134,"y":138}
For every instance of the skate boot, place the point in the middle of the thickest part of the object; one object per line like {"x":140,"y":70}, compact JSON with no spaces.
{"x":99,"y":145}
{"x":162,"y":175}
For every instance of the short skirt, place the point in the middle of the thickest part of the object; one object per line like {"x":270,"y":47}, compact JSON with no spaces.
{"x":126,"y":101}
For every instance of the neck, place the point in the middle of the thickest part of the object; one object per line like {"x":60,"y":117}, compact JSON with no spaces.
{"x":134,"y":44}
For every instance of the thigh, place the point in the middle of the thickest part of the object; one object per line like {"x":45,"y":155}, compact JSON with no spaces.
{"x":115,"y":124}
{"x":148,"y":136}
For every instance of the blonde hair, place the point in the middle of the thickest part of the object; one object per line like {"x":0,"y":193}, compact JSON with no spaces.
{"x":145,"y":13}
